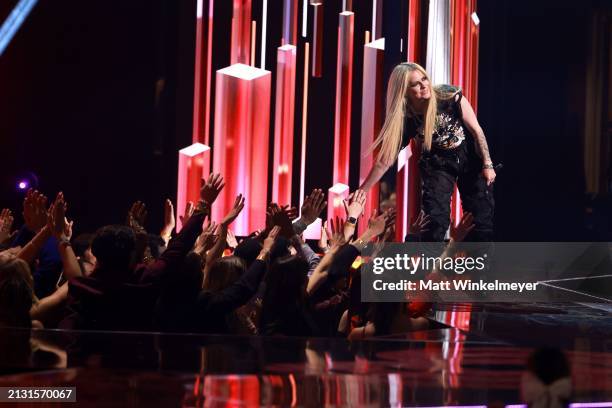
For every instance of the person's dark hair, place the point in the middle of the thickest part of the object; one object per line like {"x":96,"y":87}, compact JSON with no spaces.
{"x":248,"y":250}
{"x":113,"y":246}
{"x":548,"y":364}
{"x":186,"y":283}
{"x":155,"y":242}
{"x":285,"y":283}
{"x":16,"y":293}
{"x":280,"y":249}
{"x":382,"y":314}
{"x":82,"y":243}
{"x":223,"y":272}
{"x":284,"y":300}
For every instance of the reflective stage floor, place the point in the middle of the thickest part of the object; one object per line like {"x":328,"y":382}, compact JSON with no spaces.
{"x":473,"y":355}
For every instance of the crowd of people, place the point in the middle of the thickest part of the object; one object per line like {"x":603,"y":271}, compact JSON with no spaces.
{"x":200,"y":279}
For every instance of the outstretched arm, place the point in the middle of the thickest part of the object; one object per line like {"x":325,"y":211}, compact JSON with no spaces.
{"x":470,"y":120}
{"x":376,"y":172}
{"x":61,"y":229}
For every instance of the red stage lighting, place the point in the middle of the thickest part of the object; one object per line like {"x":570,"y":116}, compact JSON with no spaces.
{"x":344,"y":79}
{"x":371,"y":116}
{"x":283,"y":124}
{"x":241,"y":33}
{"x":194,"y":165}
{"x":242,"y":125}
{"x":335,"y":201}
{"x":317,"y":38}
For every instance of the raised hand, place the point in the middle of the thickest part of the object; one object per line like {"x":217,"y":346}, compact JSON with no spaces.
{"x":35,"y":210}
{"x":231,"y":240}
{"x":280,"y":217}
{"x":357,"y":204}
{"x":292,"y":212}
{"x":137,"y":216}
{"x":391,"y":216}
{"x":466,"y":224}
{"x":234,"y":212}
{"x":206,"y":240}
{"x":59,"y":226}
{"x":337,"y":237}
{"x":268,"y":243}
{"x":189,"y":208}
{"x":169,"y":221}
{"x":312,"y":206}
{"x":389,"y":234}
{"x":6,"y":225}
{"x":419,"y":224}
{"x":323,"y":241}
{"x":376,"y":224}
{"x":269,"y":218}
{"x":211,"y":188}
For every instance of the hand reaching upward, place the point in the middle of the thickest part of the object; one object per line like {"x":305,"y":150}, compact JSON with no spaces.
{"x":312,"y":206}
{"x":35,"y":210}
{"x":337,"y":237}
{"x":211,"y":188}
{"x":377,"y":223}
{"x":234,"y":212}
{"x":466,"y":224}
{"x":357,"y":204}
{"x":169,"y":221}
{"x":57,"y":222}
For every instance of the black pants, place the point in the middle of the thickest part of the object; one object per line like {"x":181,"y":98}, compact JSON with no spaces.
{"x":440,"y":169}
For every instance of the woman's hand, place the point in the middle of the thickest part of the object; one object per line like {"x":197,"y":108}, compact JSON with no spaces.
{"x":489,"y":176}
{"x":234,"y":212}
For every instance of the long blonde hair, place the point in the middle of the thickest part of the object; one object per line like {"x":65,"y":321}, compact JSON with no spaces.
{"x":390,"y":137}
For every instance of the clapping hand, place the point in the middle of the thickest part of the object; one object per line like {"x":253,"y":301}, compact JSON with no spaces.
{"x":323,"y":241}
{"x":59,"y":226}
{"x":6,"y":225}
{"x":169,"y":221}
{"x":35,"y":210}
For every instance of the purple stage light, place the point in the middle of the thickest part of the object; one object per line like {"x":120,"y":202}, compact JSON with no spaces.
{"x":25,"y":181}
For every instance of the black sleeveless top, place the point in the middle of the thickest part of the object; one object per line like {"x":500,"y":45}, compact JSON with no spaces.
{"x":449,"y":131}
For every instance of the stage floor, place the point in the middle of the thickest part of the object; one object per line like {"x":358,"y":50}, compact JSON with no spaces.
{"x":473,"y":356}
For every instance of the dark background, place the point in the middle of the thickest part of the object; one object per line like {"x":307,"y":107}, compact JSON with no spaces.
{"x":82,"y":105}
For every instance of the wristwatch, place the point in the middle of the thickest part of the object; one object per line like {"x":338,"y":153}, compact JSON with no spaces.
{"x":352,"y":220}
{"x":203,"y":206}
{"x":488,"y":166}
{"x":63,"y":241}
